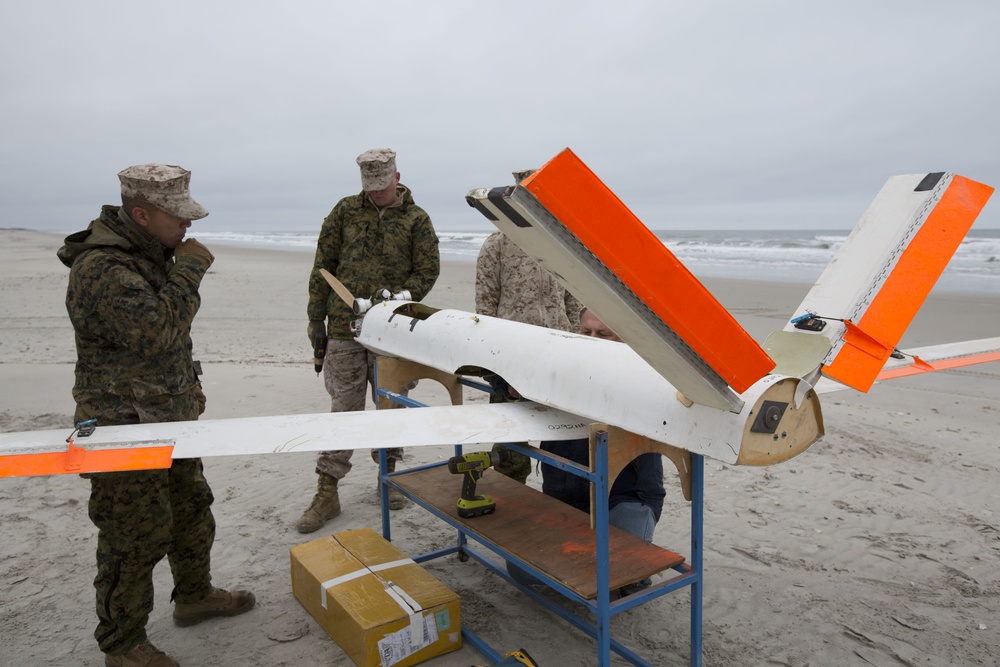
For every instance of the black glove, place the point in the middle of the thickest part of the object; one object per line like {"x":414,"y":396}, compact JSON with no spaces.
{"x":317,"y":329}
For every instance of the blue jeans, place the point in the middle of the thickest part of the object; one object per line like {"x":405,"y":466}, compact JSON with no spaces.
{"x":634,"y":518}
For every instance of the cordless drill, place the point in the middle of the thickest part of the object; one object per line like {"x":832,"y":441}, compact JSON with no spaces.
{"x":319,"y":351}
{"x":472,"y":465}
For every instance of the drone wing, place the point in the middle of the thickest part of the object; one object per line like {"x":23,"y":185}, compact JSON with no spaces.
{"x":571,"y":222}
{"x":149,"y":446}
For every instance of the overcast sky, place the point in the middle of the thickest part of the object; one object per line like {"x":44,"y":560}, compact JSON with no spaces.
{"x":757,"y":115}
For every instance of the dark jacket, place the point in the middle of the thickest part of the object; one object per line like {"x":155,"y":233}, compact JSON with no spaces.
{"x":131,"y":305}
{"x":641,"y":481}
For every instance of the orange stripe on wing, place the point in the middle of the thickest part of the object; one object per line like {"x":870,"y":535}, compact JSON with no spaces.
{"x":77,"y":460}
{"x":920,"y":366}
{"x":591,"y":211}
{"x":918,"y":268}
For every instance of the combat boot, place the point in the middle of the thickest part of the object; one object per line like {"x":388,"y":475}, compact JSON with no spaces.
{"x":396,"y":498}
{"x":325,"y":505}
{"x":217,"y":603}
{"x":143,"y":655}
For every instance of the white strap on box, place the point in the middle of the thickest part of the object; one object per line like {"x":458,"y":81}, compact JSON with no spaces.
{"x":410,"y":608}
{"x":326,"y":585}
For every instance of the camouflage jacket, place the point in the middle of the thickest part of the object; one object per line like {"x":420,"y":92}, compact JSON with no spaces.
{"x":367,"y":250}
{"x":131,"y":305}
{"x":513,"y":286}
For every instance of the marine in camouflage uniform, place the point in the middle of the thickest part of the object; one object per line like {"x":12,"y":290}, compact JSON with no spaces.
{"x":131,"y":298}
{"x":376,"y":239}
{"x":513,"y":286}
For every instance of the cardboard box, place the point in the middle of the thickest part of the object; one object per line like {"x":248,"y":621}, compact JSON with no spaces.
{"x":380,"y":606}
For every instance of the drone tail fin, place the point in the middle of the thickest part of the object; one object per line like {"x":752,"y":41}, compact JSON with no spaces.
{"x":868,"y":295}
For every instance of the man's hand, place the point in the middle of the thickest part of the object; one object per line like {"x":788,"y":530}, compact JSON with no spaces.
{"x":200,"y":395}
{"x":191,"y":248}
{"x":317,"y":329}
{"x":502,"y":389}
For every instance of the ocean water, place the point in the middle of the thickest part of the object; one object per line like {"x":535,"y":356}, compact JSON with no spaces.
{"x":778,"y":255}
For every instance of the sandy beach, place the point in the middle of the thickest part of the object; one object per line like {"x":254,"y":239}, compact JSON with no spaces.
{"x":880,"y":545}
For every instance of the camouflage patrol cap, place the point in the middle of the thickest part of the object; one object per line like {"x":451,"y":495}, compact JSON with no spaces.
{"x":378,"y":166}
{"x":522,"y":174}
{"x":164,"y":186}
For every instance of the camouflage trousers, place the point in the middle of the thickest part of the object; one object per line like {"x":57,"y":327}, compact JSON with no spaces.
{"x":519,"y":466}
{"x":141,"y":517}
{"x":348,"y":370}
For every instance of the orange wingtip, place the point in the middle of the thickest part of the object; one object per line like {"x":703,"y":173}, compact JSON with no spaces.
{"x":920,"y":366}
{"x":879,"y":330}
{"x":76,"y":460}
{"x":591,"y":211}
